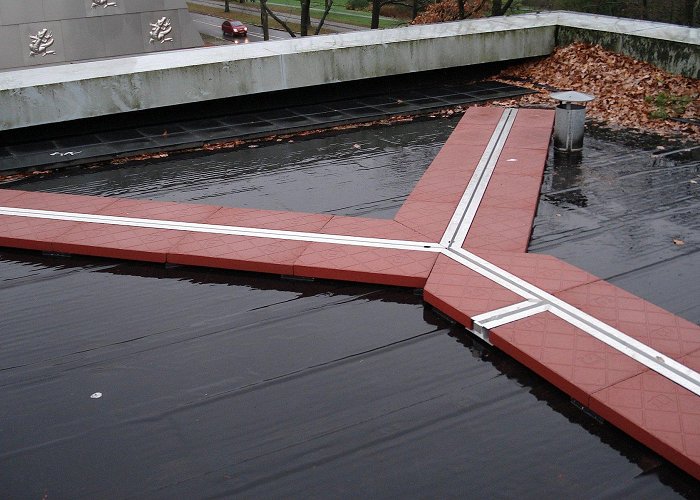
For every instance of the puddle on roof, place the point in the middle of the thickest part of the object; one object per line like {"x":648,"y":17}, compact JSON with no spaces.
{"x":367,"y":172}
{"x":221,"y":384}
{"x":630,"y":215}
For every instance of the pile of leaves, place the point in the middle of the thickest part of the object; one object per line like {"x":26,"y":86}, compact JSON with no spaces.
{"x":448,"y":10}
{"x":628,"y":93}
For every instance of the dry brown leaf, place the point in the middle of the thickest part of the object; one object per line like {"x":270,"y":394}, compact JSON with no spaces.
{"x":620,"y":84}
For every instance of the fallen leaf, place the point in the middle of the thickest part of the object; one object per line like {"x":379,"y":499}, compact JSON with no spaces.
{"x":678,"y":242}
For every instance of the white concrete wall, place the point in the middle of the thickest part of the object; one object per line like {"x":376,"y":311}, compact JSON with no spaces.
{"x":81,"y":31}
{"x":65,"y":92}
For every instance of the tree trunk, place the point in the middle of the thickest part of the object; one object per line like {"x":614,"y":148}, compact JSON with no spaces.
{"x":263,"y":5}
{"x":460,"y":8}
{"x":376,"y":6}
{"x":414,"y":10}
{"x":227,"y":7}
{"x":690,"y":9}
{"x":498,"y":9}
{"x":305,"y":18}
{"x":265,"y":22}
{"x":329,"y":4}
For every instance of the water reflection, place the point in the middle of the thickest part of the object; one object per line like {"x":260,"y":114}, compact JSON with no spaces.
{"x":566,"y":178}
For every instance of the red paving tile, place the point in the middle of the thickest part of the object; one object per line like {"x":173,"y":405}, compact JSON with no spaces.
{"x":477,"y":137}
{"x":657,"y":412}
{"x":521,"y":162}
{"x":269,"y":219}
{"x":501,"y":229}
{"x":370,"y":228}
{"x":644,"y":404}
{"x":650,"y":324}
{"x":568,"y":357}
{"x":159,"y":210}
{"x":531,"y":138}
{"x":544,"y":271}
{"x":31,"y":234}
{"x":457,"y":158}
{"x":448,"y":187}
{"x":242,"y":253}
{"x":511,"y":191}
{"x":462,"y":293}
{"x":408,"y":268}
{"x":118,"y":242}
{"x":429,"y":218}
{"x":479,"y":116}
{"x":56,"y":202}
{"x":8,"y":194}
{"x":532,"y":129}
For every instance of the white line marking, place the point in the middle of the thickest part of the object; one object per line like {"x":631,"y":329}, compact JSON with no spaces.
{"x":208,"y":24}
{"x":536,"y":299}
{"x":613,"y":337}
{"x":462,"y":219}
{"x":222,"y":229}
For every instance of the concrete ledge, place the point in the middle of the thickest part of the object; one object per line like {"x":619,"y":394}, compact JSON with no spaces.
{"x":673,"y":48}
{"x":59,"y":93}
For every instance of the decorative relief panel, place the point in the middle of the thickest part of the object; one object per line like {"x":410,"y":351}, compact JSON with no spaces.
{"x":103,"y":3}
{"x":41,"y":42}
{"x":160,"y":31}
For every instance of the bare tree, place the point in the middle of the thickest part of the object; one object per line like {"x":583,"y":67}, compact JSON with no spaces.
{"x":499,"y":9}
{"x":263,"y":6}
{"x":265,"y":23}
{"x":376,"y":7}
{"x":329,"y":4}
{"x":305,"y":18}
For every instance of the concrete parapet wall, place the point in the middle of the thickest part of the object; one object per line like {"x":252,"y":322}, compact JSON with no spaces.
{"x":97,"y":88}
{"x":53,"y":94}
{"x":675,"y":49}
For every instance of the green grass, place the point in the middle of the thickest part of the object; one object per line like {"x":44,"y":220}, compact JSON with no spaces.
{"x":668,"y":105}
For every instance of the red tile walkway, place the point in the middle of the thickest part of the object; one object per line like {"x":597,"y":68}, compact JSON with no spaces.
{"x":563,"y":339}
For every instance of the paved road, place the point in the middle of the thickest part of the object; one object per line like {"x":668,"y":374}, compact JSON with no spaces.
{"x":238,"y":7}
{"x":209,"y":25}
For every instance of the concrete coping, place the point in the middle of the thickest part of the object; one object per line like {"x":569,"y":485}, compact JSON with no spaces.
{"x":47,"y":75}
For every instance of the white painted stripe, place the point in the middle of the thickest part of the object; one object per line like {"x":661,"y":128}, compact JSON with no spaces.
{"x":492,"y":272}
{"x":613,"y":337}
{"x":642,"y":353}
{"x":536,"y":300}
{"x":484,"y":323}
{"x":462,"y":219}
{"x":221,"y":229}
{"x":508,"y":314}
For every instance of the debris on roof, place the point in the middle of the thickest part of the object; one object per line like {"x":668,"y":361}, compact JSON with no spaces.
{"x":629,"y":93}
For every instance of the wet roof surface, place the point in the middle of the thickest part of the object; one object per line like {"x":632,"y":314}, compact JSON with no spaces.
{"x":218,"y":383}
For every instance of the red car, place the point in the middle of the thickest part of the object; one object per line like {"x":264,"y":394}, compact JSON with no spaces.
{"x":234,"y":28}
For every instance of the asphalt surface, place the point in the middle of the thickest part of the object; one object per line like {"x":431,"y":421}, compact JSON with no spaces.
{"x":211,"y":26}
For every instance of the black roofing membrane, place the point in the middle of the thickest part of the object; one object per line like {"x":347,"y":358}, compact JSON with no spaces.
{"x":218,"y":384}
